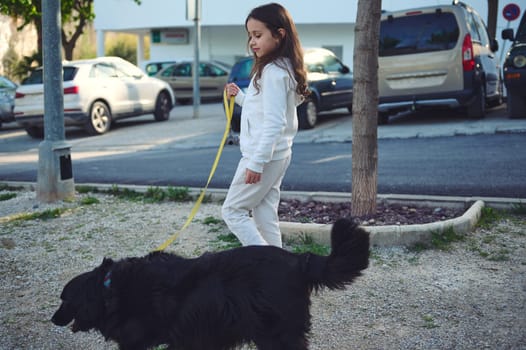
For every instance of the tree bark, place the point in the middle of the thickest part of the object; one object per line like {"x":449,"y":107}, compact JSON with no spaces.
{"x":365,"y":108}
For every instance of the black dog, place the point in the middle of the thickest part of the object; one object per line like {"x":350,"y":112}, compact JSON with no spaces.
{"x":215,"y":302}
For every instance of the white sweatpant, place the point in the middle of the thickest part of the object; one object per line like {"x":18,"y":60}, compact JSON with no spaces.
{"x":262,"y":198}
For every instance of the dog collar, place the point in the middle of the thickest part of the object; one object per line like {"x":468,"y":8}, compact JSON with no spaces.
{"x":107,"y":280}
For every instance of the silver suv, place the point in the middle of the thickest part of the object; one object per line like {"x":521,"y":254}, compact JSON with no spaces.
{"x":437,"y":57}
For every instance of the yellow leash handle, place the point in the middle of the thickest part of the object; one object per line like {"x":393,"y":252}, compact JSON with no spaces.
{"x":229,"y":110}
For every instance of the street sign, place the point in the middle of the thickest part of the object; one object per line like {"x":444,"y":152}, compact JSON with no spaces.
{"x":511,"y":12}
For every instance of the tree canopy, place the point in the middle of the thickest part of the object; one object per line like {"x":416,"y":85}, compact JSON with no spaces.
{"x":76,"y":13}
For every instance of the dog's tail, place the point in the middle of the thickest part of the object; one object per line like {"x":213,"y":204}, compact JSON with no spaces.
{"x":349,"y":256}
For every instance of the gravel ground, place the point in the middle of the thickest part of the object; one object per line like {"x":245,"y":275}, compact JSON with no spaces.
{"x":471,"y":296}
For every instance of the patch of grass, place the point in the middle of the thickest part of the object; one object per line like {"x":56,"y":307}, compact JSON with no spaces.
{"x":227,"y":241}
{"x":418,"y":247}
{"x":376,"y":257}
{"x":210,"y":220}
{"x":488,"y":217}
{"x":6,"y":187}
{"x":86,"y":189}
{"x":42,"y":215}
{"x":306,"y":244}
{"x":89,"y":200}
{"x":429,"y":322}
{"x":443,"y":241}
{"x":154,"y":195}
{"x":7,"y":196}
{"x":178,"y":194}
{"x":502,"y":254}
{"x":124,"y":193}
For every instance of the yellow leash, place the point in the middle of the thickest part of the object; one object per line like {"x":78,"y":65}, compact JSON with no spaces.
{"x":229,"y":110}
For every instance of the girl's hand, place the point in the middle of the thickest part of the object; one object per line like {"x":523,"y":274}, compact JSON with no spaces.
{"x":251,"y":177}
{"x":231,"y":89}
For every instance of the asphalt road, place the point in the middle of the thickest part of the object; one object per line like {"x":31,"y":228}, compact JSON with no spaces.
{"x":434,"y":155}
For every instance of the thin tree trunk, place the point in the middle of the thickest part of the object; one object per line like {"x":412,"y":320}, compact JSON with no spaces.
{"x":365,"y":108}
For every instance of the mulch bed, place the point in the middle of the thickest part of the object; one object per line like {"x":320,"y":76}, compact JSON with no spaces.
{"x":386,"y":214}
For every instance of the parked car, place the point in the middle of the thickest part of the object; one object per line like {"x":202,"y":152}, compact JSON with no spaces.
{"x":96,"y":92}
{"x":330,"y":83}
{"x":437,"y":57}
{"x":153,"y":67}
{"x":7,"y":100}
{"x":212,"y":79}
{"x":515,"y":71}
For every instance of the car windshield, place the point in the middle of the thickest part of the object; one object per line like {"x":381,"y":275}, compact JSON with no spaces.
{"x":521,"y":32}
{"x":322,"y":63}
{"x":37,"y":76}
{"x":418,"y":33}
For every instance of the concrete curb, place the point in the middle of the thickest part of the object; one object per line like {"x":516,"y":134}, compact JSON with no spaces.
{"x":391,"y":235}
{"x":381,"y":236}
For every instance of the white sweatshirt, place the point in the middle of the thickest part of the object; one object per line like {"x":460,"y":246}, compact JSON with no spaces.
{"x":269,"y":119}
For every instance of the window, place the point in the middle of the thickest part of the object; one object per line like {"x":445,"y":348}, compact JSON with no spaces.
{"x":103,"y":70}
{"x":183,"y":70}
{"x":418,"y":33}
{"x":37,"y":76}
{"x":481,"y":29}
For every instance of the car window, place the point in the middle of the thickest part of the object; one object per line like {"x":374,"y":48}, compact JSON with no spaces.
{"x":103,"y":70}
{"x":322,"y":63}
{"x":215,"y":71}
{"x":481,"y":29}
{"x":153,"y":68}
{"x":182,"y":70}
{"x":36,"y":76}
{"x":473,"y":28}
{"x":126,"y":69}
{"x":168,"y":72}
{"x":418,"y":33}
{"x":242,"y":69}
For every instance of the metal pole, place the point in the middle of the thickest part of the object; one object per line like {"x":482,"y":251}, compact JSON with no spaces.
{"x":197,"y":44}
{"x":55,"y":178}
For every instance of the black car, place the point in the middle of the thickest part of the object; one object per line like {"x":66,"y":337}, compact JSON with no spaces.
{"x":515,"y":71}
{"x":330,"y":83}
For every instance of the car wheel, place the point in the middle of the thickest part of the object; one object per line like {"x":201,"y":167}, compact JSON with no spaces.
{"x":99,"y":120}
{"x":516,"y":105}
{"x":383,"y":118}
{"x":477,"y":110}
{"x":163,"y":106}
{"x":35,"y":132}
{"x":307,"y":115}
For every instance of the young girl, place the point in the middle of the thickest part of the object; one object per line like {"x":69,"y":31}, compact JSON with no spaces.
{"x":268,"y":125}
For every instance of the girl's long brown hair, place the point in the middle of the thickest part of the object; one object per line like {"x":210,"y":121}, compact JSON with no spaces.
{"x":275,"y":16}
